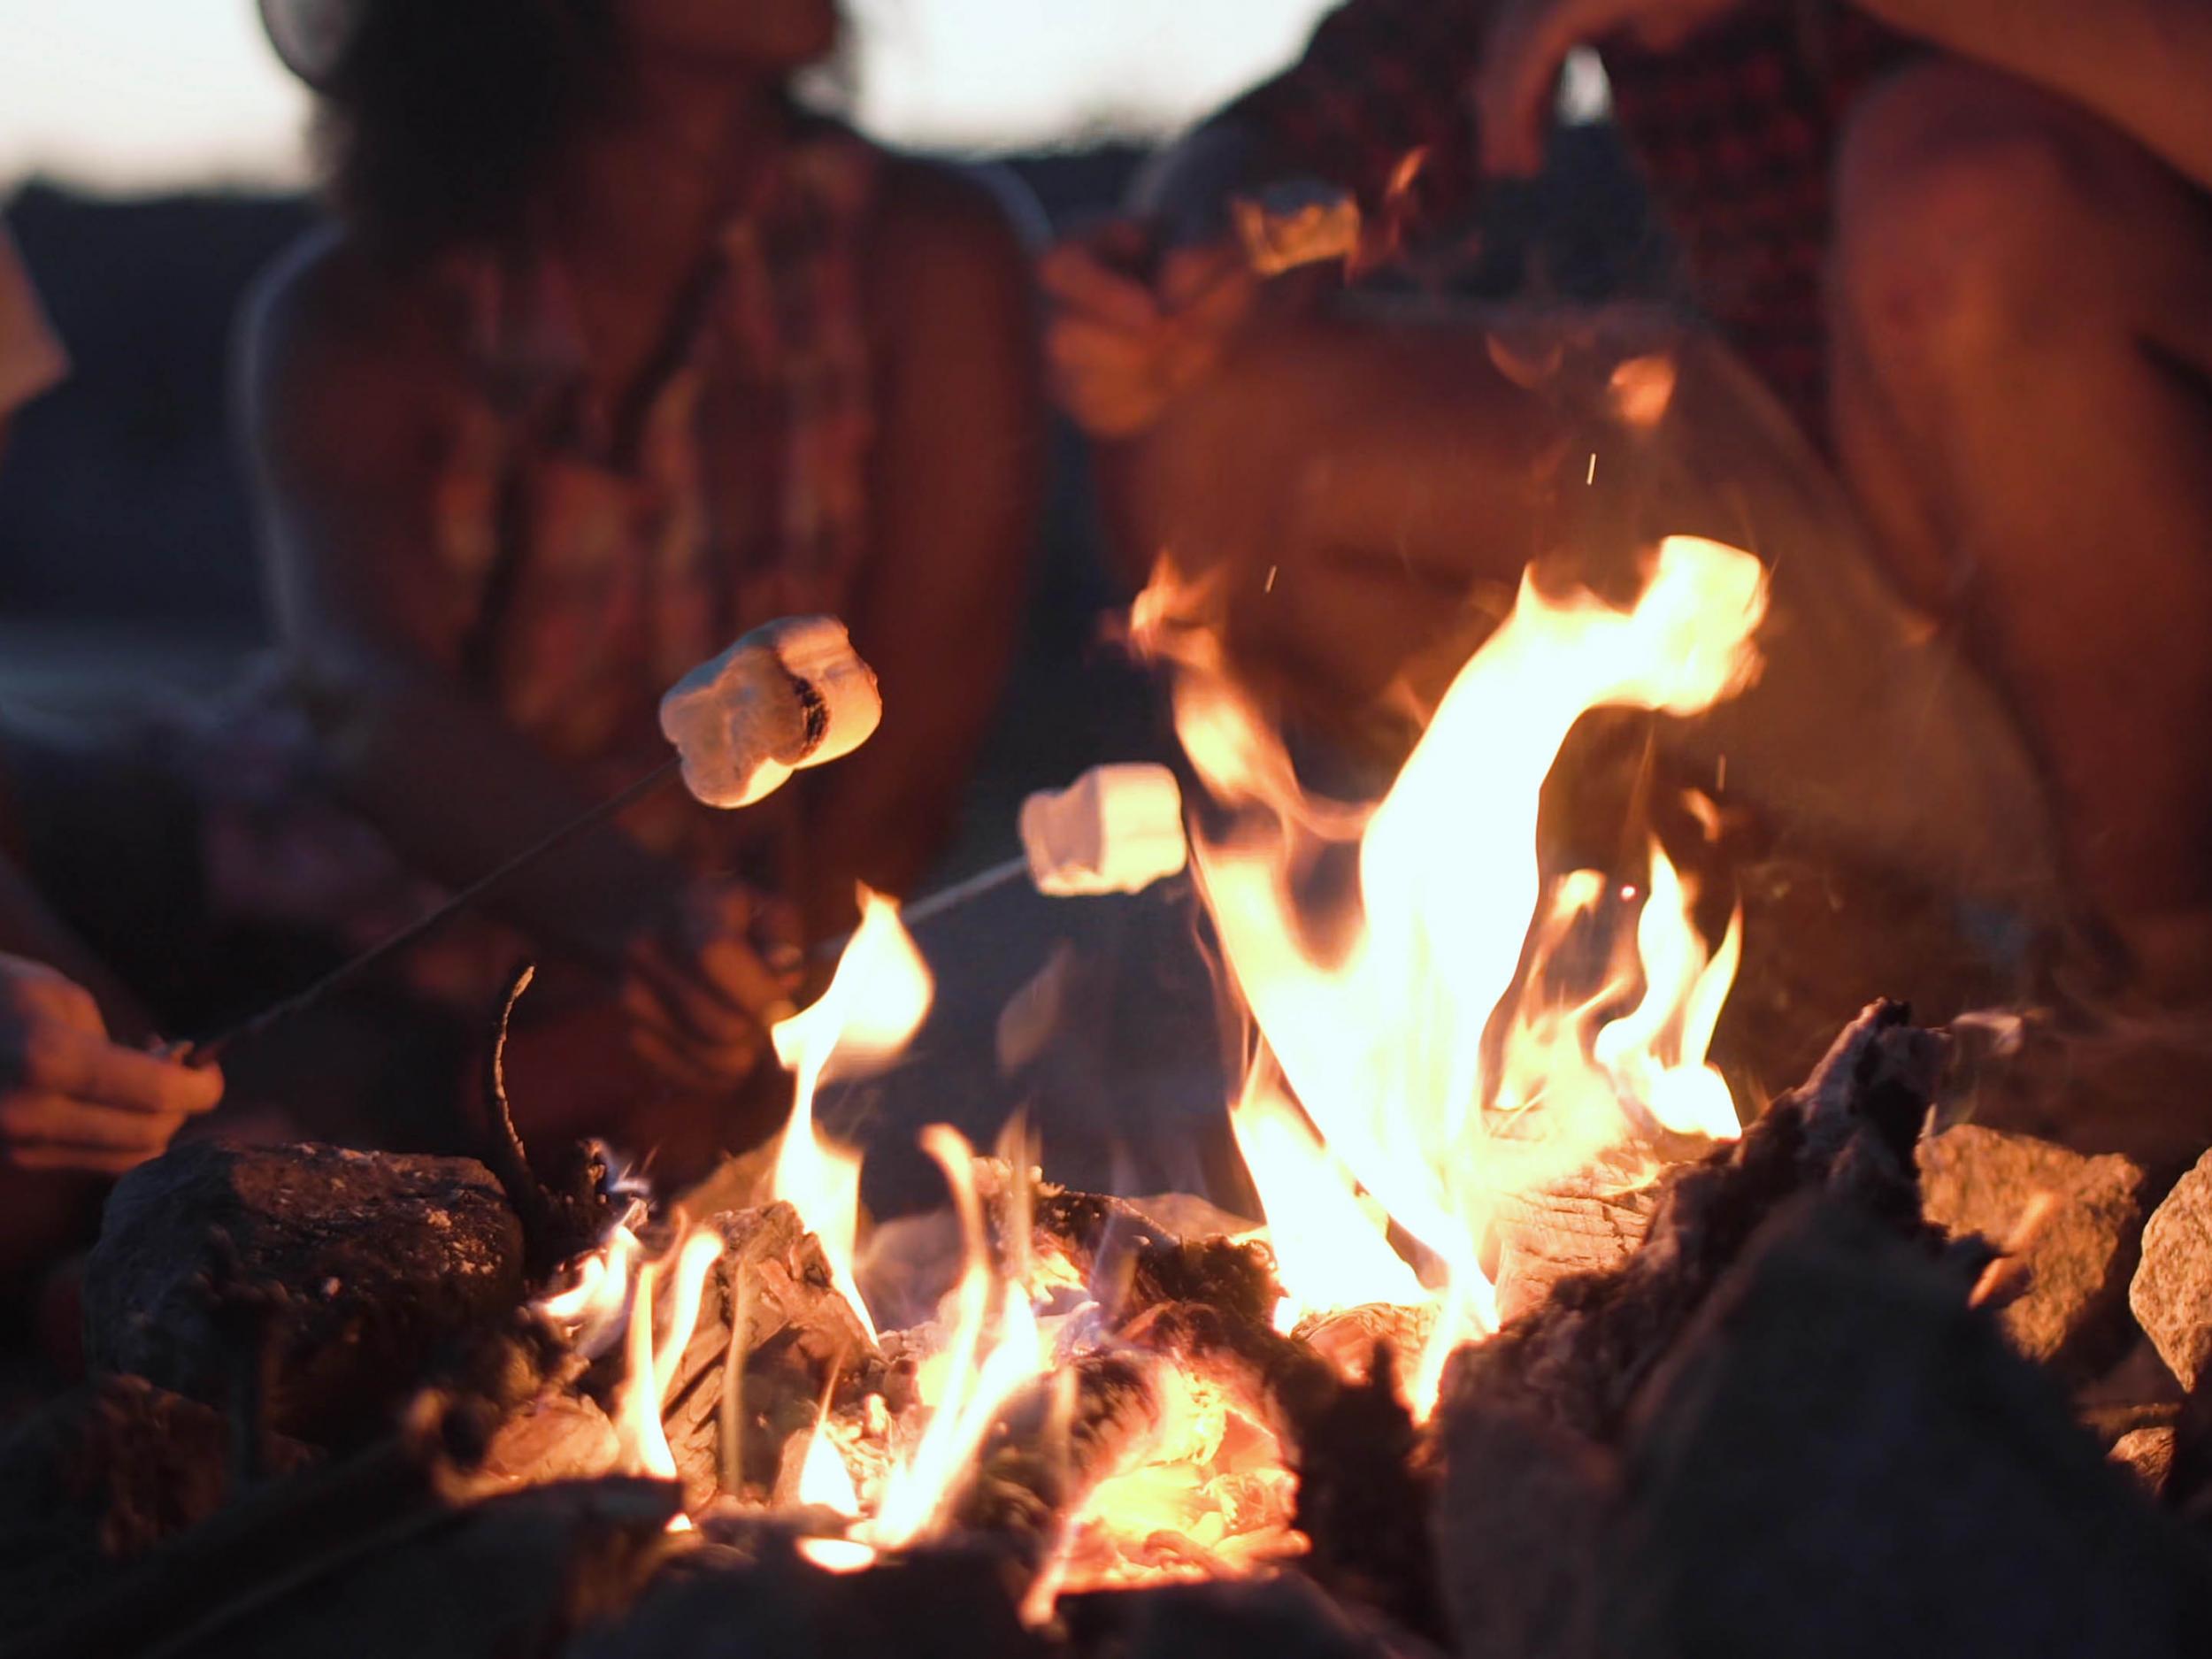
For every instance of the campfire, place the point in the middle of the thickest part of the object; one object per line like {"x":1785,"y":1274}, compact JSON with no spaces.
{"x":1544,"y":1343}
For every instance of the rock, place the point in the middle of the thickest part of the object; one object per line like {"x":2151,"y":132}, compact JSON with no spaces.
{"x":1842,"y":1458}
{"x":2071,"y":1223}
{"x":2172,"y":1291}
{"x":100,"y":1476}
{"x":356,"y":1270}
{"x":2148,"y":1455}
{"x":1520,"y":1510}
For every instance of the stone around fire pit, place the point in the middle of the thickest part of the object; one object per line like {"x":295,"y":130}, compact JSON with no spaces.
{"x":1841,"y":1460}
{"x":2071,"y":1223}
{"x":2172,"y":1292}
{"x":356,"y":1270}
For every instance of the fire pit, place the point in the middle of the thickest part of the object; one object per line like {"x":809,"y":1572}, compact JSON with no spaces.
{"x":1536,"y":1349}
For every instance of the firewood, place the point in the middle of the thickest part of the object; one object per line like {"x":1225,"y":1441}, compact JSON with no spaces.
{"x":366,"y":1267}
{"x":1056,"y":1440}
{"x":800,"y":1334}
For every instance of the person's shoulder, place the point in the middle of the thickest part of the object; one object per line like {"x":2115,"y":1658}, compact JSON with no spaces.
{"x":329,"y":312}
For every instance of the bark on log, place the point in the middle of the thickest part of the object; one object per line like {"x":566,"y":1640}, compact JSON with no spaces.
{"x":799,"y":1329}
{"x":1057,"y":1440}
{"x":359,"y":1270}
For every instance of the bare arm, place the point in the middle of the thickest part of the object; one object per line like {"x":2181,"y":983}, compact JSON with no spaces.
{"x":2142,"y":65}
{"x":347,"y":384}
{"x":957,"y":479}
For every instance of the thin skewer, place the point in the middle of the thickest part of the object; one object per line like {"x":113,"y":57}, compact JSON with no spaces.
{"x":207,"y":1052}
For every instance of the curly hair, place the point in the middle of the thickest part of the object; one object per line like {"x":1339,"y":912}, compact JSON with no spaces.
{"x":444,"y":119}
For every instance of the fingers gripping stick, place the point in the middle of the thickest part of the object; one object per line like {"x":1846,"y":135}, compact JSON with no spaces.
{"x":789,"y":695}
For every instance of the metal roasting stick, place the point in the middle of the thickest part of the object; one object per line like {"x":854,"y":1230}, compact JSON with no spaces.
{"x":931,"y":905}
{"x":206,"y":1052}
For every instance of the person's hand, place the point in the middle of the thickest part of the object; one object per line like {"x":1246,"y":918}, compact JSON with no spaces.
{"x":701,"y":987}
{"x":1527,"y":46}
{"x":70,"y":1098}
{"x":1122,"y":347}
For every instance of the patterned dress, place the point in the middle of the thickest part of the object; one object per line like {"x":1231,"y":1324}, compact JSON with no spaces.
{"x":593,"y":554}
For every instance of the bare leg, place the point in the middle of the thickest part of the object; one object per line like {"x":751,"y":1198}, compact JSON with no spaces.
{"x":2021,"y":405}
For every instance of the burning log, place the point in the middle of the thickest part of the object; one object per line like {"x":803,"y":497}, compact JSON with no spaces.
{"x":358,"y":1271}
{"x":1586,"y":1225}
{"x":798,"y":1332}
{"x":1057,"y":1440}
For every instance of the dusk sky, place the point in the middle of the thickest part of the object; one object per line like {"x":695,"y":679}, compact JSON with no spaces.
{"x":138,"y":95}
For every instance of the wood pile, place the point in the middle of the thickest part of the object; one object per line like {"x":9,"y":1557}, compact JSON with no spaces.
{"x":1847,"y":1386}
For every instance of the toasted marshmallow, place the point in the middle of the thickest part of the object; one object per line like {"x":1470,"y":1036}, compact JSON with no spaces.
{"x":789,"y":695}
{"x":1116,"y":829}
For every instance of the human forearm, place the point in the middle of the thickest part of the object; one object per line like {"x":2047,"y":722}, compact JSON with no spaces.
{"x":2142,"y":65}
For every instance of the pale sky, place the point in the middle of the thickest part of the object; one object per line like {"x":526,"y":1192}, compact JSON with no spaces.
{"x":144,"y":95}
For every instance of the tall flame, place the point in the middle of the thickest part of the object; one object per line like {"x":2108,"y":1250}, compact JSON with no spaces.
{"x":877,"y":1000}
{"x":1378,"y":1021}
{"x":995,"y":1349}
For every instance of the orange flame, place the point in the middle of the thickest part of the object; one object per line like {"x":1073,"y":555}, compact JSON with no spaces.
{"x":1381,"y":1033}
{"x":877,"y":1000}
{"x":995,"y":1349}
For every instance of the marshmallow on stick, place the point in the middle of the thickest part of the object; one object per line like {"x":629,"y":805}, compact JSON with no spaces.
{"x":1116,"y":829}
{"x":789,"y":695}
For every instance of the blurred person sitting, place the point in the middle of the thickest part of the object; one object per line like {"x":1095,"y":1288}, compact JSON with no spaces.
{"x":76,"y":1104}
{"x":613,"y":354}
{"x":1964,"y":244}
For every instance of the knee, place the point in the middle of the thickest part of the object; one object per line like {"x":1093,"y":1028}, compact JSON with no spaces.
{"x":1965,"y":208}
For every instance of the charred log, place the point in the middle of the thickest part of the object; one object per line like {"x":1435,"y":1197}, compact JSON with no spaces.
{"x":1363,"y":1500}
{"x":1055,"y":1441}
{"x":359,"y":1271}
